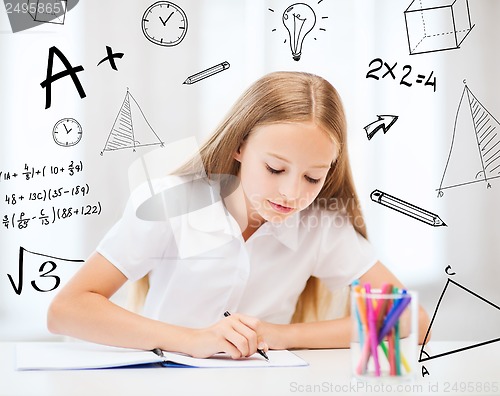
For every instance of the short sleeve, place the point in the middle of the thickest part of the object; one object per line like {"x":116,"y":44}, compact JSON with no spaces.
{"x":135,"y":246}
{"x":344,"y":255}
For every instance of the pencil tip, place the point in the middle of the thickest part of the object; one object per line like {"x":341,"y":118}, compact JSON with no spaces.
{"x":438,"y":222}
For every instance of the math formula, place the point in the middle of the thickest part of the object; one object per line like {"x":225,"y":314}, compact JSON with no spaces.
{"x":46,"y":279}
{"x":31,"y":172}
{"x":48,"y":216}
{"x":378,"y":69}
{"x":61,"y":197}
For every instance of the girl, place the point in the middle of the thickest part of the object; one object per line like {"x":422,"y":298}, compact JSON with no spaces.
{"x":289,"y":195}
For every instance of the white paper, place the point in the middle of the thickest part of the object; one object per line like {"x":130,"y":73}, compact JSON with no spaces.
{"x":82,"y":355}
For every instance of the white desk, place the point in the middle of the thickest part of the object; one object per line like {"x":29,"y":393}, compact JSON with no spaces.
{"x":328,"y":373}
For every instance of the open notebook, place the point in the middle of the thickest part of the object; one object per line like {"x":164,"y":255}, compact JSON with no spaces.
{"x":83,"y":355}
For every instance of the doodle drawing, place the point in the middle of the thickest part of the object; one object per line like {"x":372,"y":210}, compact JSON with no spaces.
{"x":452,"y":295}
{"x":164,"y":23}
{"x":437,"y":25}
{"x":406,"y":208}
{"x":207,"y":73}
{"x":299,"y":20}
{"x":383,"y":122}
{"x":124,"y":135}
{"x":67,"y":132}
{"x":52,"y":11}
{"x":474,"y":154}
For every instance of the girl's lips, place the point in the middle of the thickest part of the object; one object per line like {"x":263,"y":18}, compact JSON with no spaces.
{"x":280,"y":208}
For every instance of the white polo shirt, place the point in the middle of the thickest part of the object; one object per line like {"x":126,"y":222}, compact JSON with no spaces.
{"x":199,"y":266}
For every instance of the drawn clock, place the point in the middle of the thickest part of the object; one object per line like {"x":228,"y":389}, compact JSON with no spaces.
{"x":67,"y":132}
{"x":164,"y":23}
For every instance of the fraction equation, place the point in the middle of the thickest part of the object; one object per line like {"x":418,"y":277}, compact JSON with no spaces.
{"x":45,"y":280}
{"x":378,"y":69}
{"x":22,"y":220}
{"x":48,"y":194}
{"x":33,"y":172}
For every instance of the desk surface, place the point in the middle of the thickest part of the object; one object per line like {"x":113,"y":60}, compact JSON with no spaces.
{"x":472,"y":372}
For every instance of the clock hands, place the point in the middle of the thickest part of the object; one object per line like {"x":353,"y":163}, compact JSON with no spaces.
{"x":67,"y":131}
{"x":165,"y":22}
{"x":73,"y":132}
{"x":160,"y":22}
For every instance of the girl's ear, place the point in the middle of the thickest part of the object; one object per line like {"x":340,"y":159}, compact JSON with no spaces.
{"x":237,"y":154}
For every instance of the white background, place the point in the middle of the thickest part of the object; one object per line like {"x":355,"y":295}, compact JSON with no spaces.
{"x":407,"y":162}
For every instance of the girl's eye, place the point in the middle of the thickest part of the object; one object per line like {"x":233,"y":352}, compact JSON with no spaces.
{"x":311,"y":180}
{"x":272,"y":170}
{"x":276,"y":171}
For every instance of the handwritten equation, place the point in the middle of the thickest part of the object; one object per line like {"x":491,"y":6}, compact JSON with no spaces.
{"x":45,"y":280}
{"x":32,"y":172}
{"x":28,"y":205}
{"x":378,"y":69}
{"x":48,"y":194}
{"x":49,"y":216}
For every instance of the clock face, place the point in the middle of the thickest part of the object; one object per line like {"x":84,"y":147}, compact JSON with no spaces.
{"x":164,"y":23}
{"x":67,"y":132}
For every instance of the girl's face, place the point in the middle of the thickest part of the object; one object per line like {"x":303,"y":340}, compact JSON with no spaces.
{"x":283,"y":168}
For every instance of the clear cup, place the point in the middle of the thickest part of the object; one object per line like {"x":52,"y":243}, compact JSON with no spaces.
{"x":384,"y":333}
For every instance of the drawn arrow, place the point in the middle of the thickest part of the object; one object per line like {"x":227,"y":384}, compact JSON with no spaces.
{"x":384,"y":122}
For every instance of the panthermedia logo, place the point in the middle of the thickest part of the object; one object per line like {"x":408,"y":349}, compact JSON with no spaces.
{"x":26,"y":14}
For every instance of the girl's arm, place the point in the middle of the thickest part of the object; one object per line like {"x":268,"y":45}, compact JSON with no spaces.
{"x":82,"y":309}
{"x":331,"y":333}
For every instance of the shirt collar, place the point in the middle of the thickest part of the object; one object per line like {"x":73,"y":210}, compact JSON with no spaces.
{"x":286,"y":232}
{"x":208,"y":215}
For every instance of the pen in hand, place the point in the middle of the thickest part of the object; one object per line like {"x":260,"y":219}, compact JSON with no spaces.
{"x":260,"y":351}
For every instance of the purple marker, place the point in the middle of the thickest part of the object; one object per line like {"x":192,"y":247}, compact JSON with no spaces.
{"x":393,"y":316}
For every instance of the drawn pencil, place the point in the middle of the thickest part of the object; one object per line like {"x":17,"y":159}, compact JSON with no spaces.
{"x":406,"y":208}
{"x":207,"y":73}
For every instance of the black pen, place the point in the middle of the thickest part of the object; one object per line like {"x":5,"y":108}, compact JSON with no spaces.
{"x":260,"y":351}
{"x":157,"y":351}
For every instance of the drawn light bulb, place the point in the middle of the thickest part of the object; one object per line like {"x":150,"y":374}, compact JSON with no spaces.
{"x":299,"y":19}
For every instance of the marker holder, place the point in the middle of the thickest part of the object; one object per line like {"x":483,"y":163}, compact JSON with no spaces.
{"x":393,"y":354}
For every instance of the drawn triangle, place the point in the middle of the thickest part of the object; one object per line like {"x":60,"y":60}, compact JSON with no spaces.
{"x":449,"y":321}
{"x":487,"y":130}
{"x":131,"y":129}
{"x":464,"y":164}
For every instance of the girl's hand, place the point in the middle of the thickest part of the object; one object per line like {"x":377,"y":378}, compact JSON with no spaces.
{"x":275,"y":336}
{"x":236,"y":335}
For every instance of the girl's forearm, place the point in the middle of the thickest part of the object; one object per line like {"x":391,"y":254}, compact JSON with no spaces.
{"x":323,"y":334}
{"x":92,"y":317}
{"x":327,"y":334}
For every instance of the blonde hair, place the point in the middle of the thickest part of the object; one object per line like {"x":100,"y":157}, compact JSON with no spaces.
{"x":281,"y":97}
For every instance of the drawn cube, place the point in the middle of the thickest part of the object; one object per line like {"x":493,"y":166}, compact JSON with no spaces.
{"x":437,"y":25}
{"x":52,"y":11}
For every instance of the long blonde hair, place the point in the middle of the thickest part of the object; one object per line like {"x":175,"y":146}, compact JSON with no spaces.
{"x":277,"y":98}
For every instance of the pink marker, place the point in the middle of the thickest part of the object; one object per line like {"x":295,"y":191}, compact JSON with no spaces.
{"x":372,"y":328}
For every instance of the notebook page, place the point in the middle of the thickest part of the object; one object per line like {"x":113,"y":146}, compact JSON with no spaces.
{"x":77,"y":355}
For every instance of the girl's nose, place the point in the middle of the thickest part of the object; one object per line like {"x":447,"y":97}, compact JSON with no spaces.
{"x":289,"y":189}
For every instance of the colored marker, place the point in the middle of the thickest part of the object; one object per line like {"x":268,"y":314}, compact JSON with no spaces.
{"x":392,"y":317}
{"x":360,"y":312}
{"x":372,"y":329}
